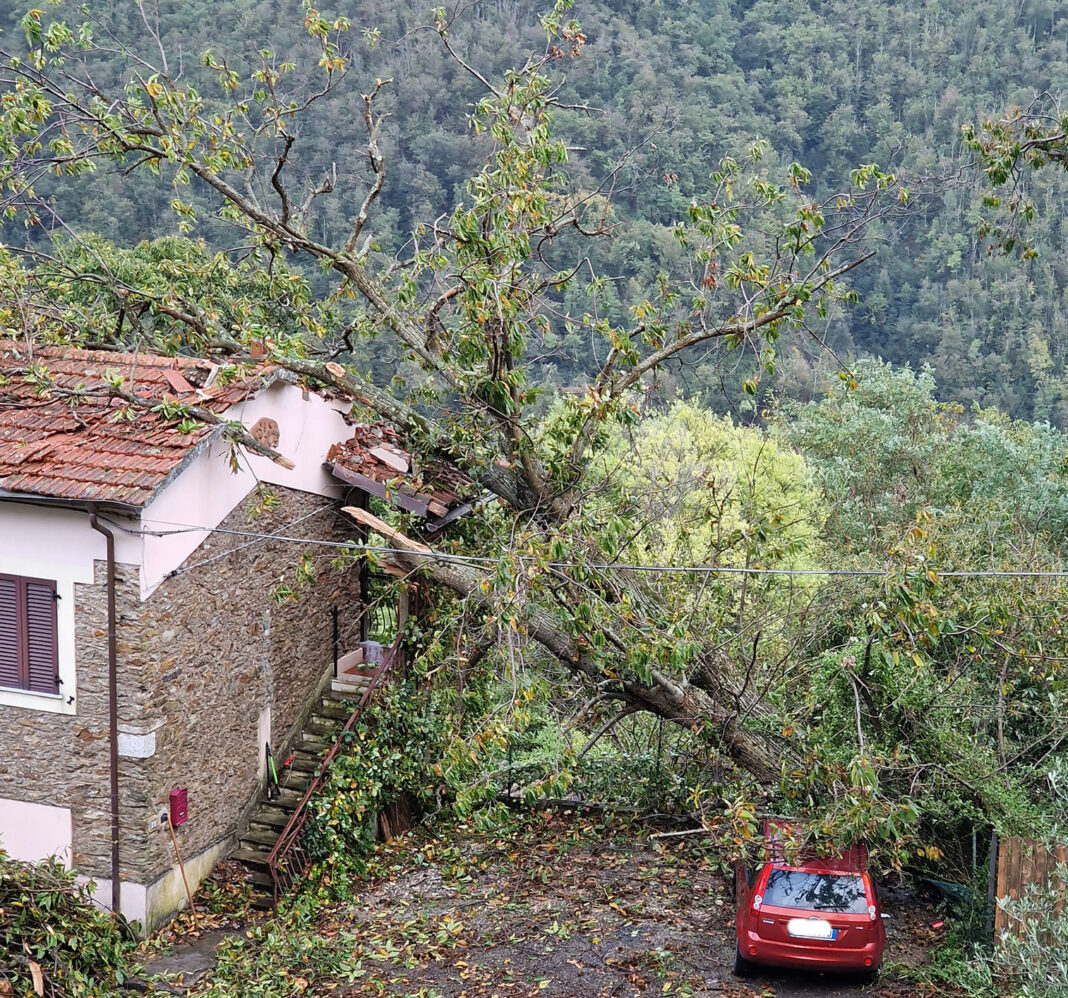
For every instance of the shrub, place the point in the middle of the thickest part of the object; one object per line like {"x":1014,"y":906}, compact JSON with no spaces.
{"x":1032,"y":953}
{"x":53,"y":940}
{"x":385,"y":756}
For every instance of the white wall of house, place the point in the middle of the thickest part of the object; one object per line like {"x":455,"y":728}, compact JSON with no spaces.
{"x":307,"y":427}
{"x":207,"y":490}
{"x":32,"y":832}
{"x":49,"y":543}
{"x":152,"y":905}
{"x":200,"y":497}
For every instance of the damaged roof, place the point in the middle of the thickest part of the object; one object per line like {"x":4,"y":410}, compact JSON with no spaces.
{"x":375,"y":460}
{"x":102,"y":449}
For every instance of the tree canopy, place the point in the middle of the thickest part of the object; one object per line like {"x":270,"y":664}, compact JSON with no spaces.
{"x":672,"y":89}
{"x":646,"y":561}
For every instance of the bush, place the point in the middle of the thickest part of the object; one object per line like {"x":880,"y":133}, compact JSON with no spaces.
{"x":385,"y":757}
{"x":53,"y":940}
{"x":1032,"y":953}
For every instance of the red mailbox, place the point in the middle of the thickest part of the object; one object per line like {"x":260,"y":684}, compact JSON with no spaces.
{"x":179,"y":807}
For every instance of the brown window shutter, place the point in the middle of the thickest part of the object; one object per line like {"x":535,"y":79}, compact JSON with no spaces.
{"x":42,"y":654}
{"x":9,"y":632}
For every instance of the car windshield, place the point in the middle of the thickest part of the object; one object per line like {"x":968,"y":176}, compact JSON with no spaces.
{"x":816,"y":891}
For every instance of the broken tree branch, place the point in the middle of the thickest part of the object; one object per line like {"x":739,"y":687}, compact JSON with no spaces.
{"x":232,"y":429}
{"x":674,"y":700}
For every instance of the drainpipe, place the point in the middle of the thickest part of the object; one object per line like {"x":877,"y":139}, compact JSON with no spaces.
{"x":113,"y":707}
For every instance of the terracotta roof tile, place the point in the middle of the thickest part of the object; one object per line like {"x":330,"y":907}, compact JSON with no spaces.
{"x":48,"y":449}
{"x":371,"y":459}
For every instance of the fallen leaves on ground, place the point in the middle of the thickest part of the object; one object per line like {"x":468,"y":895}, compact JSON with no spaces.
{"x":550,"y":906}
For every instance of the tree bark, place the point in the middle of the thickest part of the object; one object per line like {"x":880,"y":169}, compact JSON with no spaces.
{"x":674,"y":700}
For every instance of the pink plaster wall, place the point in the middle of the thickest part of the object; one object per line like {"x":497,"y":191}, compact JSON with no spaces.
{"x":58,"y":537}
{"x":308,"y":426}
{"x":207,"y":491}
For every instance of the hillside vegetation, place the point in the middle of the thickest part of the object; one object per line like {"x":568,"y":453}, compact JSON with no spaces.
{"x":673,"y":87}
{"x":842,"y":601}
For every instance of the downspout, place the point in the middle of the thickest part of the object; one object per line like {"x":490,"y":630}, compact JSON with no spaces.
{"x":113,"y":706}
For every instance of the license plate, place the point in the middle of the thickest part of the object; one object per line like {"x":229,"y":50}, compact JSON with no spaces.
{"x":810,"y":928}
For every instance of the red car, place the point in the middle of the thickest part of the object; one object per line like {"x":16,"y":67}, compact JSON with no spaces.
{"x":820,"y":914}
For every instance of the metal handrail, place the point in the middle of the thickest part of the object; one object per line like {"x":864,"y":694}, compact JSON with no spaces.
{"x":288,"y":861}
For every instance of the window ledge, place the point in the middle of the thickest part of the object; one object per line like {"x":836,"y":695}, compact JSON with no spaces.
{"x":49,"y":703}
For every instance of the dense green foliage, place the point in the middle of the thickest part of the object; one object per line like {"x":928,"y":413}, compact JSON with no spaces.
{"x":714,"y":492}
{"x":993,"y":489}
{"x":621,"y":575}
{"x":93,"y":293}
{"x":387,"y":755}
{"x":677,"y":86}
{"x":1033,"y":950}
{"x":54,"y":940}
{"x":913,"y":704}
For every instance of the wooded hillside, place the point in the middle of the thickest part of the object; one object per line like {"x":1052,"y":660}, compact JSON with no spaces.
{"x":845,"y":606}
{"x":674,"y":87}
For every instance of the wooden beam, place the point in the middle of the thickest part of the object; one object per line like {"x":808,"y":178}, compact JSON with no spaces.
{"x":395,"y":537}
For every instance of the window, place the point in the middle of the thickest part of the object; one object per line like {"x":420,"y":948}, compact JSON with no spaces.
{"x":816,"y":891}
{"x":29,"y":657}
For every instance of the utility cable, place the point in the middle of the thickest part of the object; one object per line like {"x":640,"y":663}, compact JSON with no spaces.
{"x":595,"y":566}
{"x":241,"y":547}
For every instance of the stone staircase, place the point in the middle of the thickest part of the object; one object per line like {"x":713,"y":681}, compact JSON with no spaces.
{"x":270,"y":818}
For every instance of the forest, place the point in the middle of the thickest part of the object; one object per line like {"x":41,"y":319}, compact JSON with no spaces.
{"x":674,"y":88}
{"x":743,"y":320}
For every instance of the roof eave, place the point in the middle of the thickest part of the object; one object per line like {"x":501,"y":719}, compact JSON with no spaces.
{"x":61,"y":502}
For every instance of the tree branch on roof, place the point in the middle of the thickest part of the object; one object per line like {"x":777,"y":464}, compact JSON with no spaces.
{"x":233,"y":429}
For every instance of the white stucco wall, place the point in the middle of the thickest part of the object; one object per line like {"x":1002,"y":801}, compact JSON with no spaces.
{"x":308,"y":425}
{"x":152,"y":905}
{"x":32,"y":832}
{"x":206,"y":491}
{"x":57,"y":544}
{"x":201,"y":497}
{"x":133,"y":900}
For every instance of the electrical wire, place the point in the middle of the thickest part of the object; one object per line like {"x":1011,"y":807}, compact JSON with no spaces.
{"x":241,"y":547}
{"x":563,"y":565}
{"x":311,"y":541}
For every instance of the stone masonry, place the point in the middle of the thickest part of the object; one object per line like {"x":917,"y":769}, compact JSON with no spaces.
{"x":199,"y":661}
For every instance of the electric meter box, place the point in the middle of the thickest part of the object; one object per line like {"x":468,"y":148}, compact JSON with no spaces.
{"x":179,"y":807}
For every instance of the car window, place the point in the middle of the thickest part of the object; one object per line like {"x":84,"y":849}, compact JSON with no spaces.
{"x":816,"y":891}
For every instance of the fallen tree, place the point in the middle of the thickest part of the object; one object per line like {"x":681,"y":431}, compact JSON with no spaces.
{"x":54,"y":941}
{"x":465,"y":308}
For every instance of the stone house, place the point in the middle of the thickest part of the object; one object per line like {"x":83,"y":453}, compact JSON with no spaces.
{"x":159,"y":624}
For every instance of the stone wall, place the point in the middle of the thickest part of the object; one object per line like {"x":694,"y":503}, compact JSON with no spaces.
{"x":62,"y":759}
{"x":208,"y":652}
{"x":199,"y":662}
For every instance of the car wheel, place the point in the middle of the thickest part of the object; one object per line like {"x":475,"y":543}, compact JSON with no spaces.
{"x":868,"y":977}
{"x":742,"y":966}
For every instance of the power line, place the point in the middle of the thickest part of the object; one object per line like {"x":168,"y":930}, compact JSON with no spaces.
{"x":247,"y":544}
{"x":603,"y":566}
{"x":346,"y":545}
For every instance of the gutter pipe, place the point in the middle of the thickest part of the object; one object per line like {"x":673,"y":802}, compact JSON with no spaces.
{"x":113,"y":706}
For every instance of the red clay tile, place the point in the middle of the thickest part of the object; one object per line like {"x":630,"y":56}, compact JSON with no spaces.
{"x":48,"y":449}
{"x":177,"y":382}
{"x":437,"y":482}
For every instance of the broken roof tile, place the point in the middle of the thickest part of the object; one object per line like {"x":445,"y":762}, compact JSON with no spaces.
{"x":176,"y":381}
{"x":373,"y":459}
{"x":92,"y":451}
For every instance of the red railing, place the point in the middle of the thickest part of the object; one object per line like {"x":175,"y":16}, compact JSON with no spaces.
{"x":288,"y":861}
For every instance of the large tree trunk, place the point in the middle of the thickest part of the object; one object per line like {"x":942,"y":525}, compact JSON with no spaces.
{"x":674,"y":700}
